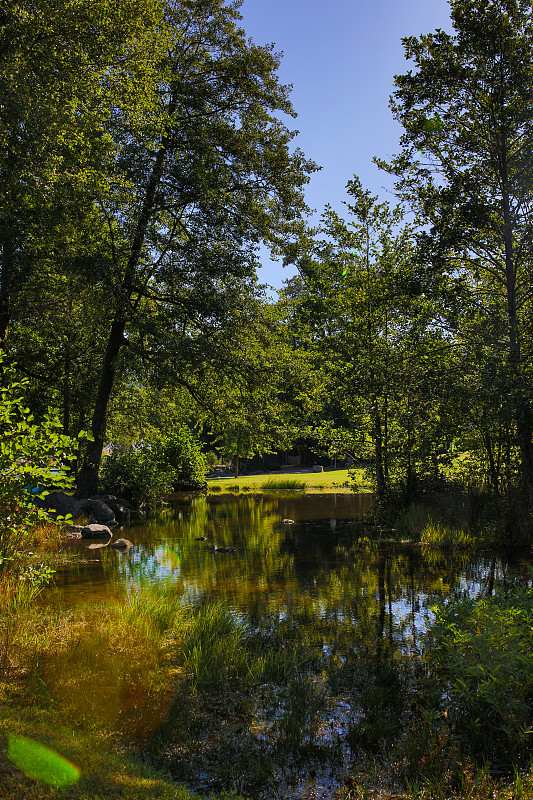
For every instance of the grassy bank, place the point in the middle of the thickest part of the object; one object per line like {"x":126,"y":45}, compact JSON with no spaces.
{"x":339,"y":480}
{"x":96,"y":685}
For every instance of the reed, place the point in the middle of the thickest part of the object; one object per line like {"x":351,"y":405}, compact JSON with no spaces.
{"x":444,"y":537}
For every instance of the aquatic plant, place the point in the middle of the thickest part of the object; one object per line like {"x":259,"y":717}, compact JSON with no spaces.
{"x":444,"y":537}
{"x":219,"y":647}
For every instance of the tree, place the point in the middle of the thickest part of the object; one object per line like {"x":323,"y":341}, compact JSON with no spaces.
{"x":63,"y":66}
{"x":199,"y":184}
{"x":466,"y":166}
{"x":366,"y":309}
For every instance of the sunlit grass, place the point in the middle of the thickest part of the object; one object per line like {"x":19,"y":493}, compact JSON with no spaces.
{"x":339,"y":480}
{"x":445,"y":538}
{"x":282,"y":484}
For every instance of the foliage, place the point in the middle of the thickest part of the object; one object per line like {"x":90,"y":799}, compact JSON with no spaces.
{"x":146,"y":470}
{"x":61,"y":83}
{"x":32,"y":455}
{"x":181,"y":451}
{"x":364,"y":307}
{"x":204,"y":176}
{"x":483,"y":648}
{"x":136,"y":474}
{"x":466,"y":169}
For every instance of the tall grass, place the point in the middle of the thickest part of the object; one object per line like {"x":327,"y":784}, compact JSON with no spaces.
{"x":284,"y":485}
{"x":163,"y":611}
{"x":444,"y":537}
{"x":219,"y":648}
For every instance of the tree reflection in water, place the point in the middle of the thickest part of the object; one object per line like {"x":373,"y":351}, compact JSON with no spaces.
{"x":354,"y":604}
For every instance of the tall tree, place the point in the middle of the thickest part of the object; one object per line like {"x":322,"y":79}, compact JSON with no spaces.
{"x":64,"y":64}
{"x":467,"y":167}
{"x":364,"y":304}
{"x":199,"y":185}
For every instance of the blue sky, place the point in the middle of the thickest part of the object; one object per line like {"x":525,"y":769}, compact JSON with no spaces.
{"x":341,"y":57}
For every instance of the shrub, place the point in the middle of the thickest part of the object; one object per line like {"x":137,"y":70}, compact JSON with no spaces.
{"x":180,"y":451}
{"x":147,"y":471}
{"x":136,"y":474}
{"x":29,"y":451}
{"x":484,"y":650}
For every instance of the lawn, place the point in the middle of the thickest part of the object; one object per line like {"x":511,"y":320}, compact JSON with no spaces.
{"x":338,"y":480}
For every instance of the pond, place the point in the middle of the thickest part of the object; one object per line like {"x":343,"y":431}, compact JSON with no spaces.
{"x":358,"y":600}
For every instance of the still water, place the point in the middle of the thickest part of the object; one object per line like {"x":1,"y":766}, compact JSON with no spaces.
{"x":324,"y":561}
{"x":360,"y":599}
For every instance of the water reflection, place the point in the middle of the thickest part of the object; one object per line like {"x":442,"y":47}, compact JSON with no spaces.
{"x":353,"y":606}
{"x":322,"y":568}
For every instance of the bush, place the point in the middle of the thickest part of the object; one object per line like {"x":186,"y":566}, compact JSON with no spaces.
{"x":28,"y":453}
{"x":180,"y":451}
{"x":484,"y":650}
{"x":136,"y":474}
{"x":145,"y":472}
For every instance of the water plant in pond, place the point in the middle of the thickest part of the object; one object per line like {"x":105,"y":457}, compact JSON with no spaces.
{"x":219,"y":648}
{"x":444,"y":537}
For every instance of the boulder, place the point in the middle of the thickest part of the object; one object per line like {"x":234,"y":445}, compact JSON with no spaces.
{"x":122,"y":508}
{"x":99,"y":510}
{"x":122,"y":513}
{"x":96,"y":531}
{"x":59,"y":504}
{"x":121,"y":544}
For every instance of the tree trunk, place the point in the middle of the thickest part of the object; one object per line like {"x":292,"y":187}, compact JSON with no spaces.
{"x":236,"y":466}
{"x":522,"y":410}
{"x":88,"y":477}
{"x":493,"y":473}
{"x":378,"y":443}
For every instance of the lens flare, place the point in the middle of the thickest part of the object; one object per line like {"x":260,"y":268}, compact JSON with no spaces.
{"x":41,"y":763}
{"x":169,"y":557}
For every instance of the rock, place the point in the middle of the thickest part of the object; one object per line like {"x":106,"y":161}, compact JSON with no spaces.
{"x":225,"y":550}
{"x":95,"y":531}
{"x":122,"y":509}
{"x":200,"y":538}
{"x":59,"y":504}
{"x":121,"y":500}
{"x":99,"y":510}
{"x":121,"y":544}
{"x":288,"y":522}
{"x":122,"y":513}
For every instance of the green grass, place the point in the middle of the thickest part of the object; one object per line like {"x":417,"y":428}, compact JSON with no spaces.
{"x":445,"y":537}
{"x":338,"y":480}
{"x":92,"y":684}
